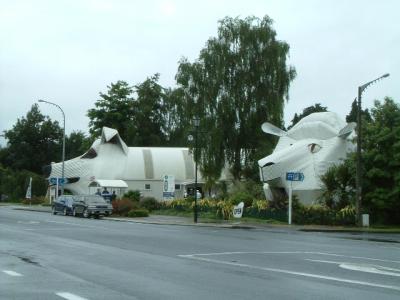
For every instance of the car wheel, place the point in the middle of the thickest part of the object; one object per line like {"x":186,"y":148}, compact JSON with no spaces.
{"x":53,"y":210}
{"x":65,"y":211}
{"x":86,"y":214}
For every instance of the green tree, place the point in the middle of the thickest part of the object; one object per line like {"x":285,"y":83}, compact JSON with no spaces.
{"x":177,"y":118}
{"x":76,"y":144}
{"x":381,"y":160}
{"x":137,"y":112}
{"x":307,"y":111}
{"x":14,"y":183}
{"x":352,"y":116}
{"x":33,"y":142}
{"x":339,"y":185}
{"x":114,"y":109}
{"x":239,"y":81}
{"x":149,"y":113}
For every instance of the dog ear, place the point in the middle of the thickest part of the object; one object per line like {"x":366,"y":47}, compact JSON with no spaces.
{"x":272,"y":129}
{"x":347,"y":130}
{"x":109,"y":135}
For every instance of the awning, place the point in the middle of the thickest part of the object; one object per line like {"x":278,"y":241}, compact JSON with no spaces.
{"x":108,"y":183}
{"x":185,"y":183}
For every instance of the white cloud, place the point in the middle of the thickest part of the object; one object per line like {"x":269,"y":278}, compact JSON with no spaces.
{"x":69,"y":51}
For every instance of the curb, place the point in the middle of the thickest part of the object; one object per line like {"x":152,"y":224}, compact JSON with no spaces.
{"x":232,"y":226}
{"x":30,"y":209}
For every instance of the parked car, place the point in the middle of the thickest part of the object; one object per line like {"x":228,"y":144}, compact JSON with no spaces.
{"x":63,"y":204}
{"x":91,"y":205}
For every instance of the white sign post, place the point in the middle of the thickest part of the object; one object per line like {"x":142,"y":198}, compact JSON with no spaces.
{"x":292,"y":176}
{"x":290,"y":204}
{"x":169,"y":187}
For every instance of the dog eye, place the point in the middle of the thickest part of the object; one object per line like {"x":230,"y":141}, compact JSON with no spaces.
{"x":314,"y":148}
{"x":90,"y":154}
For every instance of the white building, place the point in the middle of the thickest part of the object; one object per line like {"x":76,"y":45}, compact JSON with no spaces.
{"x":141,"y":168}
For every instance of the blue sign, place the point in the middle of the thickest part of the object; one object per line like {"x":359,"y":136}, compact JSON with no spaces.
{"x":61,"y":181}
{"x":294,"y":176}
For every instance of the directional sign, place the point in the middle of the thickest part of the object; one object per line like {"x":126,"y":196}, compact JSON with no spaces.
{"x":61,"y":181}
{"x":294,"y":176}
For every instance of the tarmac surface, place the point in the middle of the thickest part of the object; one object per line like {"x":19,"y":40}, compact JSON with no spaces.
{"x":45,"y":256}
{"x":364,"y":233}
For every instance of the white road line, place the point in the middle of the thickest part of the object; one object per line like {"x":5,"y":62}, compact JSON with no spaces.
{"x":317,"y":276}
{"x":28,"y":222}
{"x":78,"y":225}
{"x":70,"y":296}
{"x":293,"y":252}
{"x":12,"y":273}
{"x":67,"y":223}
{"x":368,"y":268}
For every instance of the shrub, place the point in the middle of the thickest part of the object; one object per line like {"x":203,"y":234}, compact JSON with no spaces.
{"x":149,"y":203}
{"x":180,"y":204}
{"x":322,"y":215}
{"x":132,"y":195}
{"x":241,"y":196}
{"x":206,"y":205}
{"x":224,"y":210}
{"x":123,"y":206}
{"x":34,"y":200}
{"x":138,"y":213}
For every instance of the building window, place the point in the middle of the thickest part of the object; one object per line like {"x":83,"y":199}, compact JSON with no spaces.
{"x":147,"y":186}
{"x":177,"y":187}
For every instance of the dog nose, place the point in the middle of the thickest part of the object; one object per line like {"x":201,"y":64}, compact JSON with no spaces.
{"x":270,"y":171}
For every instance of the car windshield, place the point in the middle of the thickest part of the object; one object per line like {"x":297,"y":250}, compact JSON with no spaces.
{"x":95,"y":199}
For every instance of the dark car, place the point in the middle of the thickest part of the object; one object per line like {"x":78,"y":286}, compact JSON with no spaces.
{"x":91,"y":205}
{"x":63,"y":204}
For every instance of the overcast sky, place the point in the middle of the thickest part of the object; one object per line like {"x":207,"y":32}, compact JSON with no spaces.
{"x":69,"y":51}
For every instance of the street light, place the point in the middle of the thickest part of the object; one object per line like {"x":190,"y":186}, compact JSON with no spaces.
{"x":63,"y":149}
{"x":196,"y":123}
{"x":361,"y":89}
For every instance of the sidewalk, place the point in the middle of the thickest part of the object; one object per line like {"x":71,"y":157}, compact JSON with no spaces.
{"x":233,"y":224}
{"x":152,"y":219}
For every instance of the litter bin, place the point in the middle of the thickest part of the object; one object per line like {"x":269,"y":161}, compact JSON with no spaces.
{"x":365,"y":220}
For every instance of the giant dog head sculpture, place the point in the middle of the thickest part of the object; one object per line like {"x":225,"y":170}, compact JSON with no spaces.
{"x":314,"y":144}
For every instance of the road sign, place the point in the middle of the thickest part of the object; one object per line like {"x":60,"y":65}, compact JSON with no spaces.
{"x":61,"y":181}
{"x":294,"y":176}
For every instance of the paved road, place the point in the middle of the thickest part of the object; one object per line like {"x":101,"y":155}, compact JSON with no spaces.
{"x":55,"y":257}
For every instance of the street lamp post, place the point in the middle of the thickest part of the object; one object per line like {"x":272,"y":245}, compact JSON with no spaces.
{"x":196,"y":122}
{"x":63,"y":147}
{"x":361,"y":89}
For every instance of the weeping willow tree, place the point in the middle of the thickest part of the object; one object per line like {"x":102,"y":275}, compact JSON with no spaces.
{"x":240,"y":80}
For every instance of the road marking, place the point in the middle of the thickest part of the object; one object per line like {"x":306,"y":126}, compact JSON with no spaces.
{"x":70,"y":296}
{"x":376,"y":269}
{"x":294,"y":252}
{"x":12,"y":273}
{"x":76,"y":224}
{"x":317,"y":276}
{"x":28,"y":222}
{"x":371,"y":269}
